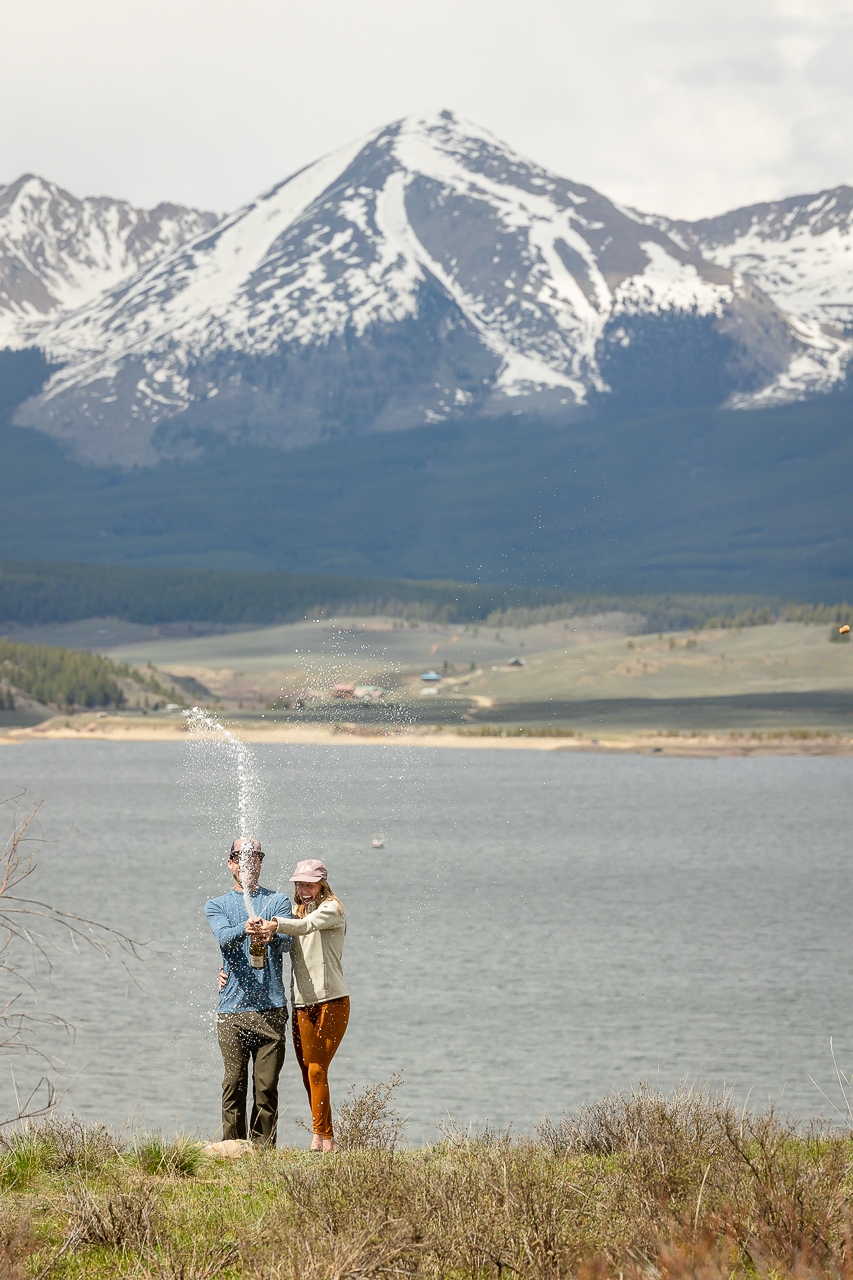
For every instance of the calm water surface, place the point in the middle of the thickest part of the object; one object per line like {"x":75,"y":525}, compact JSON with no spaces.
{"x":540,"y":927}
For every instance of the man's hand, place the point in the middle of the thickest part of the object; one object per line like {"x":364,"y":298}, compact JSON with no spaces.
{"x":261,"y":930}
{"x":222,"y":978}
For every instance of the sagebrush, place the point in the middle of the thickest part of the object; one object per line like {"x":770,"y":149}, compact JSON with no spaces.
{"x":635,"y":1185}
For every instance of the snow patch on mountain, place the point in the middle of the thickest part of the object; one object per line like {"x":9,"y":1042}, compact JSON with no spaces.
{"x":58,"y":252}
{"x":799,"y":251}
{"x":816,"y":368}
{"x":669,"y":285}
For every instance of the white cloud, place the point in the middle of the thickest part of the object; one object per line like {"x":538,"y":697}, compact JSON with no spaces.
{"x":687,"y":109}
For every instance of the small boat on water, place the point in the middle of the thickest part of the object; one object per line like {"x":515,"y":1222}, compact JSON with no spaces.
{"x":378,"y":842}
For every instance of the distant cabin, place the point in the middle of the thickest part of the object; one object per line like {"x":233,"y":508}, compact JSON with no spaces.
{"x":343,"y":691}
{"x":515,"y":662}
{"x":431,"y":676}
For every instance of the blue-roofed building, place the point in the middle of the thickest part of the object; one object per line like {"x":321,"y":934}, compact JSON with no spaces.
{"x":430,"y":675}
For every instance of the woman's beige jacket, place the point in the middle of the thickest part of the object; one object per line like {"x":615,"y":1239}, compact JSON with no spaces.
{"x":317,"y":972}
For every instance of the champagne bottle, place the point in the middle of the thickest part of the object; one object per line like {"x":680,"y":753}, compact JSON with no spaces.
{"x":257,"y":954}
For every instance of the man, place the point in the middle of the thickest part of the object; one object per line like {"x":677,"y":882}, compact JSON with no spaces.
{"x":252,"y":1019}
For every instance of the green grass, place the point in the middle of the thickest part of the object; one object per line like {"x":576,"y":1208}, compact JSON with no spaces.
{"x":27,"y":1157}
{"x":42,"y":1149}
{"x":181,"y":1156}
{"x":634,"y":1185}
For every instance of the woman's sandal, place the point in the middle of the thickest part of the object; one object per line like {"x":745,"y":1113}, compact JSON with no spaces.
{"x":329,"y":1146}
{"x":317,"y":1143}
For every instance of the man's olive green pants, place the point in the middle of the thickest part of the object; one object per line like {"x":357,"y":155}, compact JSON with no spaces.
{"x":259,"y":1036}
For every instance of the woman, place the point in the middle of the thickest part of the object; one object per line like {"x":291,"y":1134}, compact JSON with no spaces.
{"x":318,"y":992}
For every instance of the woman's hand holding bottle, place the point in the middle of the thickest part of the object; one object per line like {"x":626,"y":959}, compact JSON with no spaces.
{"x":261,"y":930}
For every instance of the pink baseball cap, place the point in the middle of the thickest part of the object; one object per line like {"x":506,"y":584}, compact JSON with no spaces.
{"x":252,"y":846}
{"x":311,"y":871}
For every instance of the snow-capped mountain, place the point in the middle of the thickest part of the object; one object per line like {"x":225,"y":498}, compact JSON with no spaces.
{"x":423,"y":272}
{"x":799,"y":251}
{"x":58,"y":252}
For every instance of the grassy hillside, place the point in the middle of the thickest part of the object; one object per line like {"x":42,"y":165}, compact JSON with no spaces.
{"x":786,"y":656}
{"x":775,"y":676}
{"x":687,"y":500}
{"x":778,"y":676}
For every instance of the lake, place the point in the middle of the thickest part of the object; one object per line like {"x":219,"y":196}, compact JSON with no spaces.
{"x":540,"y":928}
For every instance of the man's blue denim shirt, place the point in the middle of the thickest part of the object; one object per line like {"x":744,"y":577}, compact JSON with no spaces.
{"x":249,"y":988}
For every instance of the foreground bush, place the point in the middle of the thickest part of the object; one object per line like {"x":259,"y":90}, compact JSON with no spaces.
{"x":637,"y":1185}
{"x":156,"y":1154}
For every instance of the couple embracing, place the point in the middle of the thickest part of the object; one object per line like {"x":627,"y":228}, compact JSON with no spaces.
{"x":252,"y":1017}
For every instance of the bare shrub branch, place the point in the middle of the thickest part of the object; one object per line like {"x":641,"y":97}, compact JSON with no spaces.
{"x":42,"y":931}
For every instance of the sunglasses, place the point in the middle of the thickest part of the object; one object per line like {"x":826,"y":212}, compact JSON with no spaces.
{"x":235,"y":857}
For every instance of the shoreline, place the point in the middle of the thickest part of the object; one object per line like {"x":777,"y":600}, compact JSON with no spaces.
{"x":696,"y":745}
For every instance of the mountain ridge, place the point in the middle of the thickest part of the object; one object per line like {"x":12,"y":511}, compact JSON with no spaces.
{"x":58,"y":251}
{"x":424,"y":273}
{"x":766,"y":239}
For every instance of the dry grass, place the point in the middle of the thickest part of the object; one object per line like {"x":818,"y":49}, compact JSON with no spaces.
{"x":636,"y":1185}
{"x":122,"y":1216}
{"x":367,"y":1121}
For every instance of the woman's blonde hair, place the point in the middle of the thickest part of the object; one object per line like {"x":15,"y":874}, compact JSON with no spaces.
{"x":325,"y":895}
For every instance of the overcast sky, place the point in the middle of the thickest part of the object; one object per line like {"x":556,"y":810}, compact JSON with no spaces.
{"x":685,"y":107}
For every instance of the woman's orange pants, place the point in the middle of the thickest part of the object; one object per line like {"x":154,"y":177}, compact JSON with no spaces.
{"x":318,"y":1029}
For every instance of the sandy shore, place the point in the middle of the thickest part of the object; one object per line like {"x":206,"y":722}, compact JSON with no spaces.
{"x":127,"y":729}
